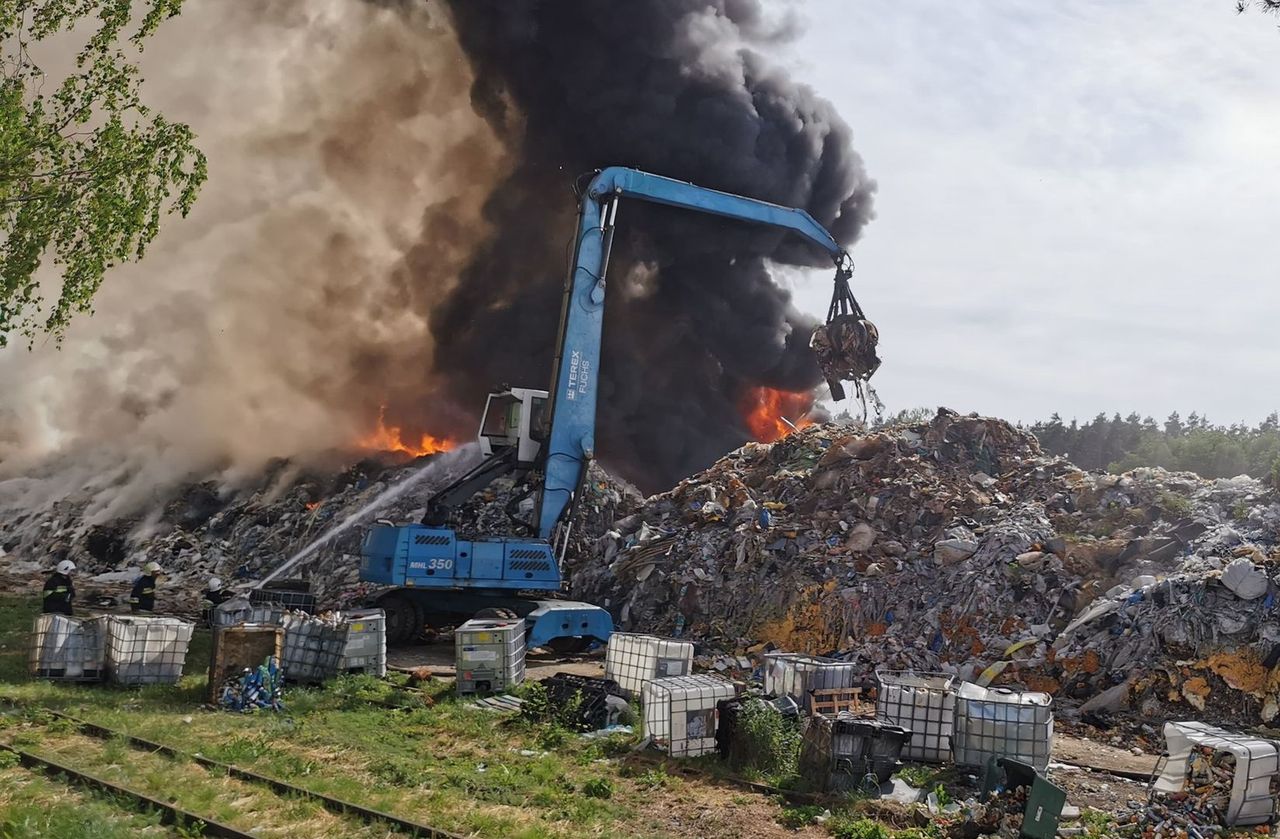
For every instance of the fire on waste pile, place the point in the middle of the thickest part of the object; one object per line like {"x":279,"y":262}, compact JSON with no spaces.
{"x":957,"y":545}
{"x":242,"y":534}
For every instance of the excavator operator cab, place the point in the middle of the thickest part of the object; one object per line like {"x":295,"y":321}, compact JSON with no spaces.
{"x":514,"y":418}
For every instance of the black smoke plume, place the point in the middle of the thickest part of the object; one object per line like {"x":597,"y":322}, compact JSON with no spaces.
{"x":676,"y":87}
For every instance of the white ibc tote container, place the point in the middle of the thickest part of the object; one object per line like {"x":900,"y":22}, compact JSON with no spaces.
{"x":312,"y":648}
{"x":1004,"y":723}
{"x":146,"y":650}
{"x":922,"y":703}
{"x":1256,"y":761}
{"x":366,"y":650}
{"x":798,"y":676}
{"x":68,"y":648}
{"x":489,"y":655}
{"x":634,"y":660}
{"x":680,"y":713}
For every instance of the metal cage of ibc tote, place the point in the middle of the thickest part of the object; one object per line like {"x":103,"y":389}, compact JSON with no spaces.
{"x":1257,"y":763}
{"x":633,"y":660}
{"x":366,"y":649}
{"x":68,"y":649}
{"x":925,"y":705}
{"x":489,"y":655}
{"x":798,"y":676}
{"x":146,"y":650}
{"x":845,"y":753}
{"x":288,"y":594}
{"x":312,"y":649}
{"x":240,"y":610}
{"x":681,"y":713}
{"x":1004,"y":723}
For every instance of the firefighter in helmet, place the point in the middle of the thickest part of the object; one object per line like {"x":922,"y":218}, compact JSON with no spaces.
{"x":212,"y":597}
{"x":59,"y":591}
{"x":143,"y":596}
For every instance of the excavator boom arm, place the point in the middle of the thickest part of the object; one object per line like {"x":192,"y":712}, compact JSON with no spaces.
{"x":575,"y":385}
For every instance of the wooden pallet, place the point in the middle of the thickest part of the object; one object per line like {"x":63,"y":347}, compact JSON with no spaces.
{"x":831,"y":701}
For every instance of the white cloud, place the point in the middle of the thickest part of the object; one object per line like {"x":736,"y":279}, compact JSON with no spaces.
{"x":1076,"y":206}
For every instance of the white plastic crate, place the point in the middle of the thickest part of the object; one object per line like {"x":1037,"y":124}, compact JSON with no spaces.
{"x":1003,"y":722}
{"x":680,"y":714}
{"x":366,"y":649}
{"x":69,"y":649}
{"x":797,"y":676}
{"x":489,"y":655}
{"x":1256,"y":762}
{"x":634,"y":660}
{"x":146,"y":650}
{"x":922,"y":703}
{"x":312,"y":648}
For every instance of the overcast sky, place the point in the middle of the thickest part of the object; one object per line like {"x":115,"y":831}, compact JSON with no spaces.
{"x":1079,"y":203}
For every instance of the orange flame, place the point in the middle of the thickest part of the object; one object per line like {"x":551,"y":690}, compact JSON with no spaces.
{"x":767,"y":412}
{"x":311,"y":505}
{"x":387,"y":438}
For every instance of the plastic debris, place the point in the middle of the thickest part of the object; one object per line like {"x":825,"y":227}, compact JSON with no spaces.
{"x":260,"y":688}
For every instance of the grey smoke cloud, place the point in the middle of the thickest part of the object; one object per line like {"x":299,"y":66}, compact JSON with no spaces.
{"x":272,"y":322}
{"x":677,"y":87}
{"x":385,"y":225}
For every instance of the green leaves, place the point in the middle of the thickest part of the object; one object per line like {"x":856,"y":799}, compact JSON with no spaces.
{"x":86,"y":169}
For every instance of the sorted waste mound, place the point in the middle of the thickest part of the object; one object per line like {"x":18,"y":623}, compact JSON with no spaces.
{"x":243,"y":534}
{"x":957,"y":545}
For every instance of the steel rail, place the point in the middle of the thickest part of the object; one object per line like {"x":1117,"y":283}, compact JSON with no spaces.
{"x":169,"y":814}
{"x":334,"y":805}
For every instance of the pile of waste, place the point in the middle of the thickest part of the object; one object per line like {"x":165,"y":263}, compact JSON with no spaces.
{"x":955,"y":545}
{"x":260,"y":688}
{"x":240,"y":535}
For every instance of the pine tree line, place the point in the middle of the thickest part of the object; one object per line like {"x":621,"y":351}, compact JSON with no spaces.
{"x":1193,"y":444}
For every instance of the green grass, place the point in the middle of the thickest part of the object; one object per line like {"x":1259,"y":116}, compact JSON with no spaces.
{"x":436,"y":761}
{"x":35,"y":807}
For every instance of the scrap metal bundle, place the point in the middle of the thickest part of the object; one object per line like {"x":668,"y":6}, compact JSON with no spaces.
{"x":845,"y":345}
{"x":260,"y":688}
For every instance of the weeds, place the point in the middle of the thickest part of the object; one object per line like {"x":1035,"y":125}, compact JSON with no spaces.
{"x":654,"y":778}
{"x":846,"y":826}
{"x":918,"y":775}
{"x":397,"y":772}
{"x":803,"y":815}
{"x":769,"y":743}
{"x":1175,"y":505}
{"x":598,"y":788}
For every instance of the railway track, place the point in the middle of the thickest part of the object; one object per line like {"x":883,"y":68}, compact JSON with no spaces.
{"x":169,"y":814}
{"x":174,"y":815}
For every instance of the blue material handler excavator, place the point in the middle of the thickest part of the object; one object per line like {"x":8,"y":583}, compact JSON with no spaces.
{"x":441,"y":578}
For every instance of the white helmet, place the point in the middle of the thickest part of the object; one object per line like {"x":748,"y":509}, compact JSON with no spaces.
{"x":152,"y":568}
{"x":215,"y":584}
{"x":66,"y":567}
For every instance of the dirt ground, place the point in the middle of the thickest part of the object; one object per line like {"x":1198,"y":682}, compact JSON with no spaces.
{"x":438,"y":657}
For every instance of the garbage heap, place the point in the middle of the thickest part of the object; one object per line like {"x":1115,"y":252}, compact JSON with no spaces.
{"x":956,"y":545}
{"x":241,"y":533}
